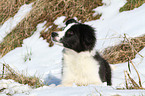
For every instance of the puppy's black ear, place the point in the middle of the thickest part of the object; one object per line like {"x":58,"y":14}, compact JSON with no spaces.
{"x":70,"y":21}
{"x":88,"y":37}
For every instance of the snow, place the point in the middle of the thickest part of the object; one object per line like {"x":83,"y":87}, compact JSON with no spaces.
{"x":111,"y":30}
{"x":26,"y":58}
{"x":109,"y":9}
{"x":12,"y":87}
{"x":36,"y":58}
{"x":59,"y":21}
{"x":82,"y":91}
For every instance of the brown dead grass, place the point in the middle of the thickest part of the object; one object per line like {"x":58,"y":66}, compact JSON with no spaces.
{"x":131,"y":4}
{"x":129,"y":47}
{"x":129,"y":81}
{"x":9,"y":73}
{"x":8,"y":8}
{"x":48,"y":10}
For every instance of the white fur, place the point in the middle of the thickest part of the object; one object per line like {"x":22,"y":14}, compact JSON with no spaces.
{"x":80,"y":68}
{"x":62,"y":33}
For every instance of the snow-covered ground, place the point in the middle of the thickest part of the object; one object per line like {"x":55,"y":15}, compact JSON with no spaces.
{"x":36,"y":58}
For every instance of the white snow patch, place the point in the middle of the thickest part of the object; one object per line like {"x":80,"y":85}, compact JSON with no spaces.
{"x":12,"y":87}
{"x":12,"y":22}
{"x":35,"y":57}
{"x":109,"y":9}
{"x":111,"y":31}
{"x":59,"y":21}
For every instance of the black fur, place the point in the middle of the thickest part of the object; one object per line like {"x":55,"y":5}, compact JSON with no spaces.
{"x":70,"y":21}
{"x":81,"y":37}
{"x":104,"y":70}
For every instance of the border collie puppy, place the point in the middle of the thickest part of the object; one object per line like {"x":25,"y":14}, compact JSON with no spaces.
{"x":82,"y":65}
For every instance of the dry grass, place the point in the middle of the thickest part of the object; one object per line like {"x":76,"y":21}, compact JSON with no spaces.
{"x":131,"y":4}
{"x":130,"y":82}
{"x":48,"y":10}
{"x":9,"y":73}
{"x":8,"y":8}
{"x":129,"y":47}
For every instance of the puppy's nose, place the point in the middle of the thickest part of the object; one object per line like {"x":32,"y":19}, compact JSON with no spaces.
{"x":54,"y":34}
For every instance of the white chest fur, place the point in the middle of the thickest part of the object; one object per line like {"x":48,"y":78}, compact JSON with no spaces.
{"x":80,"y":68}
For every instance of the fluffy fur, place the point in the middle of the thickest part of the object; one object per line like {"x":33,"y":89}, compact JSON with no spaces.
{"x":82,"y":65}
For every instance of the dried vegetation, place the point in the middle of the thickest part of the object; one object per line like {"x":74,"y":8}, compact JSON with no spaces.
{"x":131,"y":4}
{"x":48,"y":10}
{"x":9,"y":73}
{"x":8,"y":8}
{"x":130,"y":82}
{"x":129,"y":47}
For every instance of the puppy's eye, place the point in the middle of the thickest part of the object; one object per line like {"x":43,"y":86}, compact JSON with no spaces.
{"x":70,"y":33}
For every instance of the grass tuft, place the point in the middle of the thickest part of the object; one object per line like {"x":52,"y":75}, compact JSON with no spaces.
{"x":131,"y":4}
{"x":129,"y":47}
{"x":9,"y":73}
{"x":130,"y":82}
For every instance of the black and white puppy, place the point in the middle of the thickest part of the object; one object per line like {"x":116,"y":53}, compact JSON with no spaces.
{"x":82,"y":65}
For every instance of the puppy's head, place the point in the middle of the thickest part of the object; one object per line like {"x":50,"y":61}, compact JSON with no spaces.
{"x":76,"y":36}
